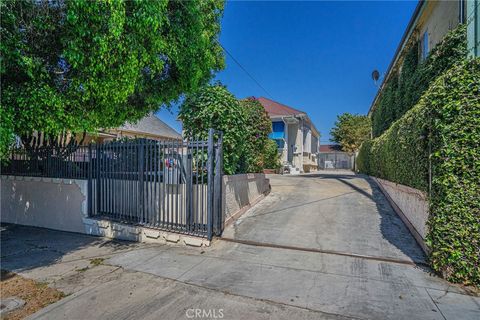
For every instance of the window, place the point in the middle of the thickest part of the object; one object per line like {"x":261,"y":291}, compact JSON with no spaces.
{"x":277,"y":130}
{"x":424,"y":46}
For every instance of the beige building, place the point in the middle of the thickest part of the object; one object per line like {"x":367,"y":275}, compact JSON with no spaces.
{"x":295,"y":134}
{"x":428,"y":25}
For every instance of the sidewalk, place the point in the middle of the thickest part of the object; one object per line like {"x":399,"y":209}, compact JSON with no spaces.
{"x":137,"y":281}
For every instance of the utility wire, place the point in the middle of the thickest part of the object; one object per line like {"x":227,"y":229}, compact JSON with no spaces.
{"x":245,"y":70}
{"x":236,"y":61}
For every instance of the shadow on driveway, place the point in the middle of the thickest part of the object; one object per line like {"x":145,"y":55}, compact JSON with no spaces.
{"x":392,"y":227}
{"x":25,"y":248}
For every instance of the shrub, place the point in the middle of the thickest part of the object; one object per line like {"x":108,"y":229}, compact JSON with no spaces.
{"x":245,"y":126}
{"x":258,"y":126}
{"x":215,"y":107}
{"x":404,"y":89}
{"x":271,"y":158}
{"x":443,"y":129}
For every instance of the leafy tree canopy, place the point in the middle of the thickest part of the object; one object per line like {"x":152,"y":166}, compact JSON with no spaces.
{"x":350,"y":131}
{"x":84,"y":65}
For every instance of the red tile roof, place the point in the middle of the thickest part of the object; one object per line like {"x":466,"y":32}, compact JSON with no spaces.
{"x":330,"y":148}
{"x":274,"y":108}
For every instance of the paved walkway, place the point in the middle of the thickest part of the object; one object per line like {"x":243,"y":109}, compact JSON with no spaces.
{"x":342,"y":213}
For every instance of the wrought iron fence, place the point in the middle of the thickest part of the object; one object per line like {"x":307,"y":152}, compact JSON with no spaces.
{"x":170,"y":185}
{"x":46,"y":161}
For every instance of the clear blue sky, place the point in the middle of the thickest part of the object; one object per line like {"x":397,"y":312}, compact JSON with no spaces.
{"x":313,"y":56}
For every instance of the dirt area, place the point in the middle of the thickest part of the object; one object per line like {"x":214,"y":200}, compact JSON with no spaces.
{"x":36,"y":295}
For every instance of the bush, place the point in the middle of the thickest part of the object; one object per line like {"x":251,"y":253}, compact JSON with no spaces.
{"x":215,"y":107}
{"x":245,"y":126}
{"x":258,"y":126}
{"x":443,"y":129}
{"x":271,"y":158}
{"x":404,"y":89}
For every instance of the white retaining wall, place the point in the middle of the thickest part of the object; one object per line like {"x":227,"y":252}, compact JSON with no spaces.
{"x":411,"y":205}
{"x":242,"y":191}
{"x":61,"y":204}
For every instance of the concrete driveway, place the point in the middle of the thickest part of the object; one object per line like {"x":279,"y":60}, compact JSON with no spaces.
{"x":336,"y":211}
{"x":344,"y":215}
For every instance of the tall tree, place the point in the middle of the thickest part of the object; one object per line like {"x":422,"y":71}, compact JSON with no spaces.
{"x":350,"y":131}
{"x":83,"y":65}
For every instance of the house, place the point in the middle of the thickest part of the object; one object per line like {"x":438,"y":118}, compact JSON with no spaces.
{"x":331,"y":156}
{"x":295,"y":134}
{"x":429,"y":24}
{"x":150,"y":127}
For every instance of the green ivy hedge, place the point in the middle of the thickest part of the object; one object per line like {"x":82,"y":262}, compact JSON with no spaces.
{"x":401,"y":153}
{"x":442,"y":131}
{"x":404,"y":89}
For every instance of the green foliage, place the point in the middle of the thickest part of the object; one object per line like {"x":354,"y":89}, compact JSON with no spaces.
{"x":271,"y":155}
{"x":84,"y":65}
{"x":215,"y":107}
{"x":6,"y":131}
{"x":350,"y":131}
{"x":245,"y":126}
{"x":403,"y":89}
{"x":257,"y":125}
{"x":454,"y":104}
{"x":400,"y":154}
{"x":441,"y":131}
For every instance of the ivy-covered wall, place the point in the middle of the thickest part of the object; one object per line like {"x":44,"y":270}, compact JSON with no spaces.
{"x":405,"y":86}
{"x":440,"y":135}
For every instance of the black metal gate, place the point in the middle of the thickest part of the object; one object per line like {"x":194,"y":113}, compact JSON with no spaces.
{"x":170,"y":185}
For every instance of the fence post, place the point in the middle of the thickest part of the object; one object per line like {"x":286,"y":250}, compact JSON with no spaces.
{"x":189,"y":187}
{"x":210,"y":189}
{"x":218,"y":208}
{"x":89,"y":185}
{"x":140,"y":178}
{"x":97,"y":177}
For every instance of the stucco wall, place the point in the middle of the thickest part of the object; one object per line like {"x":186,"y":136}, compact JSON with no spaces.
{"x":44,"y":202}
{"x":412,"y":206}
{"x":241,"y":191}
{"x":439,"y":17}
{"x":61,"y":204}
